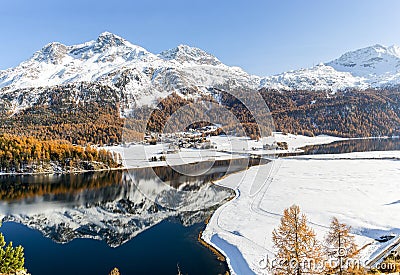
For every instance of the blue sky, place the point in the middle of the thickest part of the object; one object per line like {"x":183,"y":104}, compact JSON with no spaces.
{"x":262,"y":37}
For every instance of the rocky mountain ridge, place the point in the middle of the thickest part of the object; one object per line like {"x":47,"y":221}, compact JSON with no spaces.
{"x":140,"y":77}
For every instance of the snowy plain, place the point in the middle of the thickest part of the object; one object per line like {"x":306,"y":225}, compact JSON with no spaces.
{"x":360,"y":189}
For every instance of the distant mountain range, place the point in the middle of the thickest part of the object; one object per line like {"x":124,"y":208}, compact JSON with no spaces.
{"x":372,"y":67}
{"x":82,"y":93}
{"x":141,"y":76}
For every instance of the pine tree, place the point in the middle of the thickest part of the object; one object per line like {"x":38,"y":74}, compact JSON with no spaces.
{"x":298,"y":251}
{"x":341,"y":249}
{"x":11,"y":259}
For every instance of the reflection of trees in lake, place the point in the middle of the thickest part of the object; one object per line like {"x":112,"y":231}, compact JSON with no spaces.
{"x":212,"y":172}
{"x":19,"y":187}
{"x":108,"y":184}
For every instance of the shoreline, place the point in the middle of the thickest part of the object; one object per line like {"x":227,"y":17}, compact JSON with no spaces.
{"x":295,"y":143}
{"x":127,"y":168}
{"x":215,"y":250}
{"x":62,"y":173}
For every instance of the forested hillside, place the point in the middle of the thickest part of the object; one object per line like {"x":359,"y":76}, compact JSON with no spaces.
{"x":81,"y":114}
{"x":350,"y":113}
{"x":27,"y":154}
{"x":88,"y":113}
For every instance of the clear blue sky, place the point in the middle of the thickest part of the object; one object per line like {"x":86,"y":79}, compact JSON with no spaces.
{"x":262,"y":37}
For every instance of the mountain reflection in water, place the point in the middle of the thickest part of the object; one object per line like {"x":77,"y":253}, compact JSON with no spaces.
{"x":114,"y":206}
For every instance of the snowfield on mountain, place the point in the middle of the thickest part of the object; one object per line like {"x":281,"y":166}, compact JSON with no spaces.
{"x":142,"y":77}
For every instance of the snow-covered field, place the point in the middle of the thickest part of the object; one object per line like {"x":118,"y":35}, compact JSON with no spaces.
{"x":137,"y":156}
{"x":227,"y":147}
{"x":294,"y":142}
{"x":359,"y":191}
{"x":297,"y":141}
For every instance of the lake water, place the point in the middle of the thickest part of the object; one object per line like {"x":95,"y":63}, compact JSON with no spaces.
{"x":143,"y":221}
{"x":158,"y":250}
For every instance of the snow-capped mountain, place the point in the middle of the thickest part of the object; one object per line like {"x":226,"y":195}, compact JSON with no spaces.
{"x":57,"y":64}
{"x":374,"y":60}
{"x":139,"y":77}
{"x":184,"y":53}
{"x":376,"y":66}
{"x":320,"y":77}
{"x":111,"y":60}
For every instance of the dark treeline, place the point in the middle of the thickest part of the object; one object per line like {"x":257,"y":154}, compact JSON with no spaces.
{"x":354,"y":145}
{"x":349,"y":113}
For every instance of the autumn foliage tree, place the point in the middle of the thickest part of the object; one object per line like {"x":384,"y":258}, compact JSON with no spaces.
{"x":297,"y":249}
{"x":16,"y":153}
{"x":341,"y":248}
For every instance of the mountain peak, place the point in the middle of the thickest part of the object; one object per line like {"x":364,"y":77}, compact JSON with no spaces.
{"x":107,"y":33}
{"x":184,"y":53}
{"x":108,"y":39}
{"x":107,"y":48}
{"x":379,"y":50}
{"x":110,"y":59}
{"x":373,"y":60}
{"x":51,"y":53}
{"x":377,"y":47}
